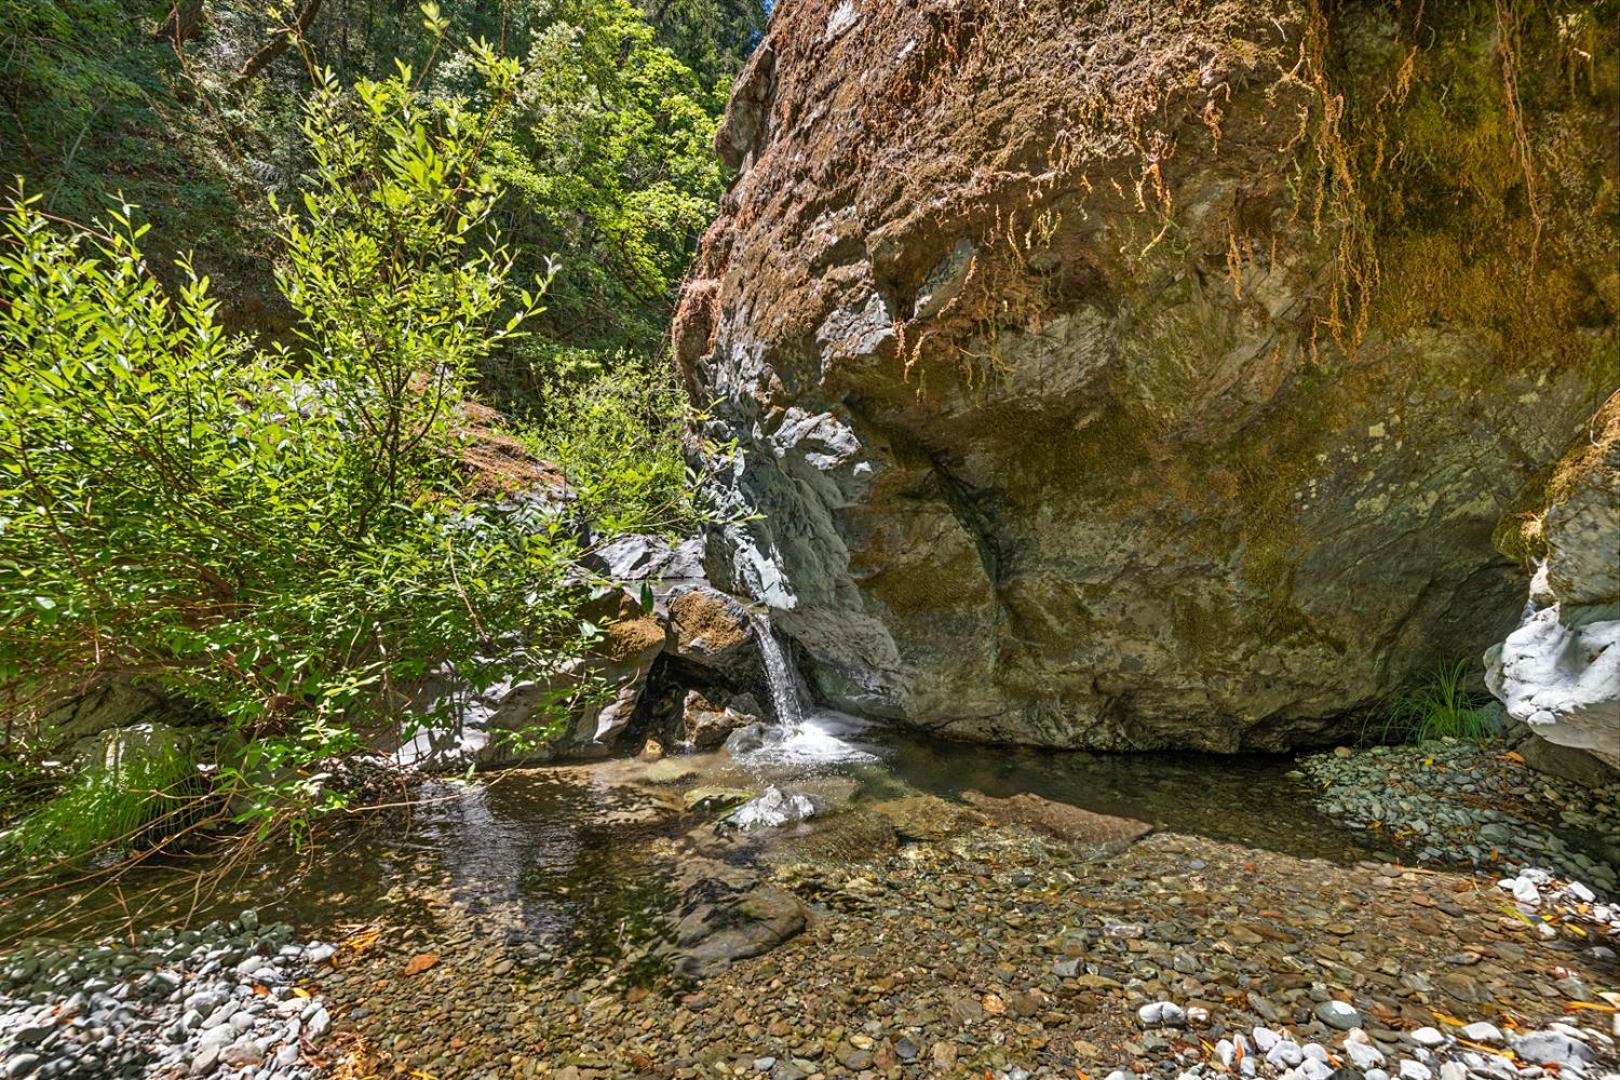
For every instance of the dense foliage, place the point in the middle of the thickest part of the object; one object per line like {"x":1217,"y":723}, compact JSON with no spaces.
{"x":193,"y":110}
{"x":231,"y":420}
{"x":279,"y":535}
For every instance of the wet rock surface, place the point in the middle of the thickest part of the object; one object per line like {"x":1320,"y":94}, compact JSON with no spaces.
{"x":219,"y":1000}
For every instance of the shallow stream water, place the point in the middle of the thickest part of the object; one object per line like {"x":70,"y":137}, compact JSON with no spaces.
{"x":577,"y":860}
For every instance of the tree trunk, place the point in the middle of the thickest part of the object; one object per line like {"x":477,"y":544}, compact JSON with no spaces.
{"x":280,"y":38}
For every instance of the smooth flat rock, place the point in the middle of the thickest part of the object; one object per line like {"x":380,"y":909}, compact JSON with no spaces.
{"x":1061,"y":820}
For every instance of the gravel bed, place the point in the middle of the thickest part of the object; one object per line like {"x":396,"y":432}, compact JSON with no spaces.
{"x":1452,"y":801}
{"x":1453,"y":1051}
{"x":214,"y":1001}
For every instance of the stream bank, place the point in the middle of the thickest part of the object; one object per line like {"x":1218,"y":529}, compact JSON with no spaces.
{"x":941,"y":913}
{"x":942,"y":942}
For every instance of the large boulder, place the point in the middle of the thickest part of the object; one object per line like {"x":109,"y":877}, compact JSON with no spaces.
{"x":713,"y":632}
{"x":1559,"y":672}
{"x":1149,"y":374}
{"x":110,"y":705}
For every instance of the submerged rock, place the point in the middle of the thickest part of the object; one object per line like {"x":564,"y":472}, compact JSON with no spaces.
{"x":727,"y":913}
{"x":1061,"y":820}
{"x":773,"y":807}
{"x":1070,"y":415}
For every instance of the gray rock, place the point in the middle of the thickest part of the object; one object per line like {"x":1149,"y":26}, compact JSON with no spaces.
{"x":205,"y":1060}
{"x":708,"y":719}
{"x":635,"y":558}
{"x":1336,"y":1014}
{"x":1551,"y":1048}
{"x":30,"y":1034}
{"x":242,"y":1054}
{"x":20,"y":1065}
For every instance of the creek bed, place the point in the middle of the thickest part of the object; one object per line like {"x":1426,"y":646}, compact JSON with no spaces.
{"x":549,"y":899}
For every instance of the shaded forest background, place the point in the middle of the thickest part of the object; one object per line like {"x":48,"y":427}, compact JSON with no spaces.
{"x":190,"y":109}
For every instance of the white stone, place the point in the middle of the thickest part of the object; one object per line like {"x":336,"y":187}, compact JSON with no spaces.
{"x":1559,"y":673}
{"x":1427,"y":1036}
{"x":1285,"y":1053}
{"x":1161,"y":1014}
{"x":1412,"y":1070}
{"x":1361,"y":1052}
{"x":1482,"y":1032}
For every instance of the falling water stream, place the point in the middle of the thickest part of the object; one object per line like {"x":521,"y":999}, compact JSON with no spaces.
{"x":780,"y":679}
{"x":804,"y":735}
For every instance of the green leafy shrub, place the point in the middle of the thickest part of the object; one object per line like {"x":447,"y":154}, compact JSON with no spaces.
{"x":617,"y":439}
{"x":1441,"y":708}
{"x":281,"y":536}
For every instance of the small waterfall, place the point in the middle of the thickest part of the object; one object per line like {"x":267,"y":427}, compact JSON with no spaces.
{"x":780,"y":679}
{"x":804,"y":735}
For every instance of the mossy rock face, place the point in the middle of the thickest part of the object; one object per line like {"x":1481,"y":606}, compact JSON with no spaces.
{"x":1154,"y":378}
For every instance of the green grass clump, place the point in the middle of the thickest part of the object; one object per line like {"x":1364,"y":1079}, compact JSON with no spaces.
{"x":134,"y":799}
{"x":1439,"y":709}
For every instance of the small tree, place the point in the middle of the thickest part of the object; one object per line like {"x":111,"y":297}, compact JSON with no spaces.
{"x":281,"y":536}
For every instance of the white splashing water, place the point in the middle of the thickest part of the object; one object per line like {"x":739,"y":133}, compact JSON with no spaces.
{"x":803,"y":734}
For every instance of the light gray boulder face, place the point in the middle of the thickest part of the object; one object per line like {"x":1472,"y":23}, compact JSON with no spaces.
{"x":1063,"y":421}
{"x":1559,"y":672}
{"x":117,"y":748}
{"x":112,"y":705}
